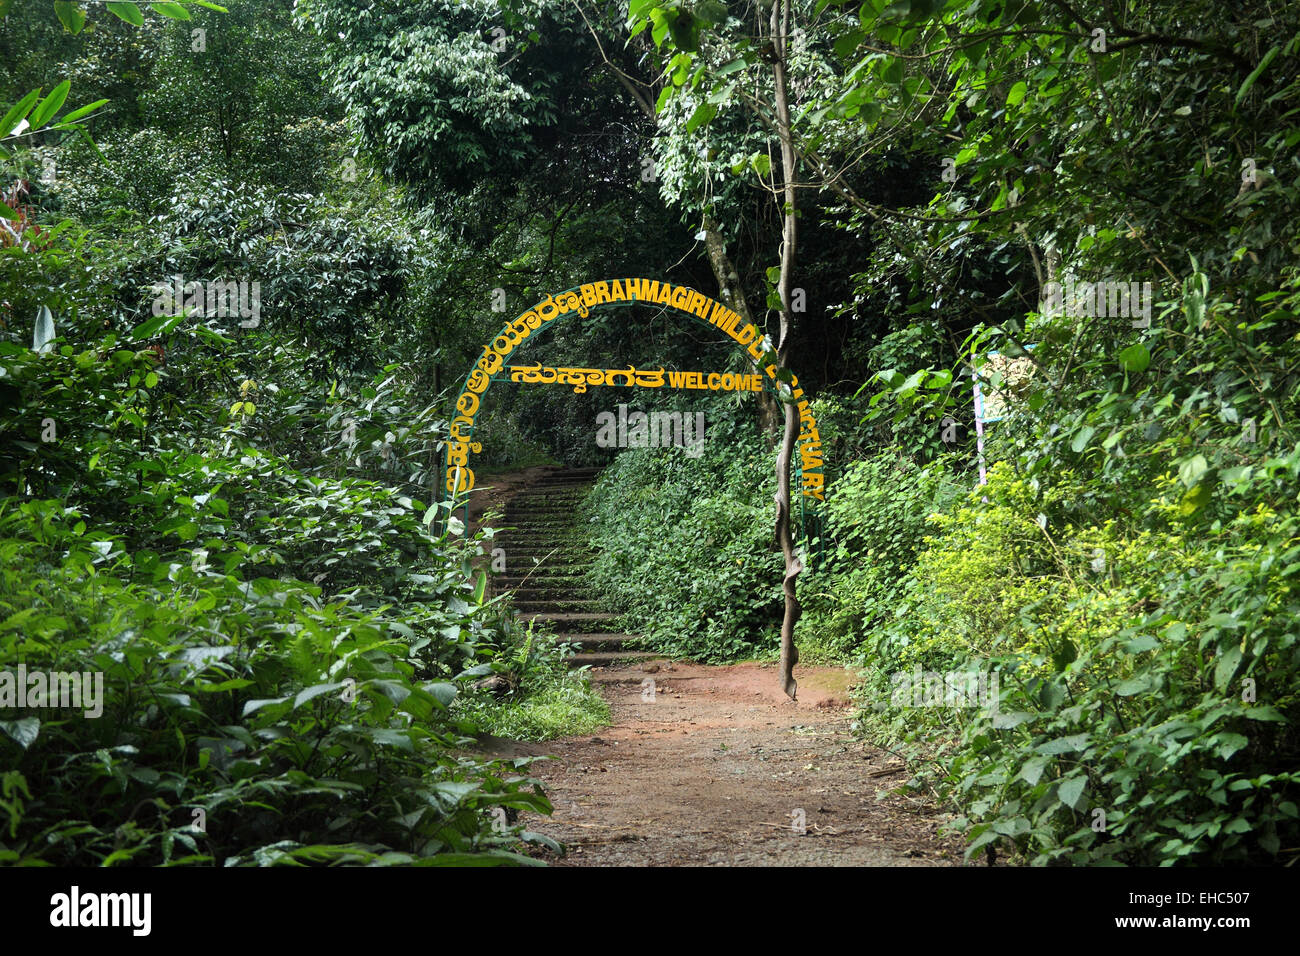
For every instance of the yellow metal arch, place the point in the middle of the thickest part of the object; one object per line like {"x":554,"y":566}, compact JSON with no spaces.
{"x":458,"y":476}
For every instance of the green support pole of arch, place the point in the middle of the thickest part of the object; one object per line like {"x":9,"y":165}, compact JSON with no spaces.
{"x":581,"y":301}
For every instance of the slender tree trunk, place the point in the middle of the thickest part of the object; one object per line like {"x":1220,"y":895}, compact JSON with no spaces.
{"x":780,"y":29}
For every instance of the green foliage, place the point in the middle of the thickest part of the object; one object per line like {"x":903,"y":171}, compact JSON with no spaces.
{"x":230,"y":523}
{"x":686,"y":547}
{"x":876,"y":513}
{"x":543,"y":698}
{"x":1126,"y":575}
{"x":305,"y":729}
{"x":445,"y":90}
{"x":309,"y":721}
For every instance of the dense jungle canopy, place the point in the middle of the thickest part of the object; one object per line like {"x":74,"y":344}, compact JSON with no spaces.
{"x":250,"y":252}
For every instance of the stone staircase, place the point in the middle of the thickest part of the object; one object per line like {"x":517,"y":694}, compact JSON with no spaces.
{"x":547,"y":557}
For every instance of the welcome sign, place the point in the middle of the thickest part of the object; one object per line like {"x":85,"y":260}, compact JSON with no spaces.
{"x":581,"y":378}
{"x":580,"y":301}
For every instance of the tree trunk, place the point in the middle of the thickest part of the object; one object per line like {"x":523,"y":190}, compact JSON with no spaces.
{"x":780,"y":28}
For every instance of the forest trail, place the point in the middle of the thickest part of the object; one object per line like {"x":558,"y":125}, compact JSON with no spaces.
{"x":713,"y":768}
{"x":704,"y":765}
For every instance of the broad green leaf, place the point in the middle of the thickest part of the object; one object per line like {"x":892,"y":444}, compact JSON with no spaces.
{"x":1061,"y":745}
{"x":1254,"y":75}
{"x":81,"y":112}
{"x":1135,"y":358}
{"x":1065,"y":655}
{"x":126,"y":11}
{"x":442,"y":692}
{"x":393,"y":738}
{"x":1005,"y":721}
{"x":1017,"y":94}
{"x":1191,"y":470}
{"x":1134,"y":685}
{"x":1228,"y":744}
{"x":1196,"y":498}
{"x":1013,"y":827}
{"x":1031,"y":771}
{"x":636,"y":8}
{"x":1071,"y":790}
{"x":311,"y":693}
{"x":711,"y":12}
{"x":1226,"y":667}
{"x":43,"y":333}
{"x":17,"y":112}
{"x":50,"y":105}
{"x":158,"y":325}
{"x":701,"y":115}
{"x":70,"y":15}
{"x":23,"y":732}
{"x":253,"y":706}
{"x":173,"y":11}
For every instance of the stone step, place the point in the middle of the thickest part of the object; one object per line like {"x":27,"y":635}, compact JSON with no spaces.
{"x":599,"y":641}
{"x":553,"y":605}
{"x":542,"y":595}
{"x":515,"y":519}
{"x":543,"y":536}
{"x":539,"y":519}
{"x":536,"y":549}
{"x":559,"y":523}
{"x":574,"y":622}
{"x":524,"y":532}
{"x":550,"y":501}
{"x":560,"y":591}
{"x":551,"y":504}
{"x":548,"y":504}
{"x":547,"y":498}
{"x":552,"y":498}
{"x":545,"y":578}
{"x":578,"y":471}
{"x":541,"y":577}
{"x":524,"y":536}
{"x":567,"y":589}
{"x":528,"y":557}
{"x":557,"y":568}
{"x":610,"y":658}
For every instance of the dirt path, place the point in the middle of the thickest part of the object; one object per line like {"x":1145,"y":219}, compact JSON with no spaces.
{"x":712,"y":770}
{"x":706,"y":765}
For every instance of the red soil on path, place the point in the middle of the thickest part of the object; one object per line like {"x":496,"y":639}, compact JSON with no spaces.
{"x":713,"y":770}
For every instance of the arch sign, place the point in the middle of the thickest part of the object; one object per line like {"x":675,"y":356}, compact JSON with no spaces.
{"x":580,"y":301}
